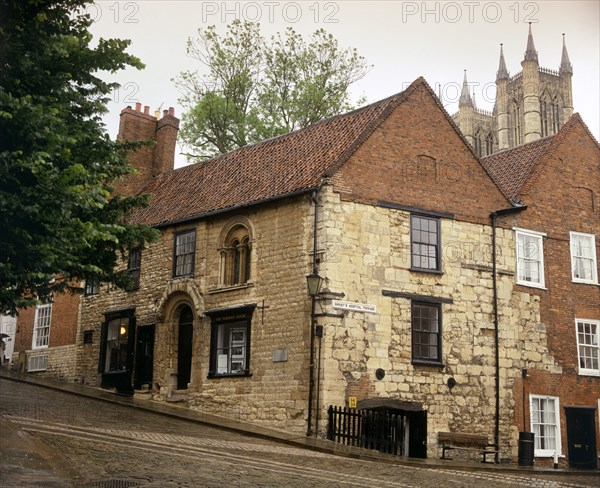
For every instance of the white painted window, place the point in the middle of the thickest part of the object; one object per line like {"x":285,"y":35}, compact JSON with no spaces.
{"x":545,"y":424}
{"x":530,"y":258}
{"x":584,"y":266}
{"x":41,"y":327}
{"x":588,"y":347}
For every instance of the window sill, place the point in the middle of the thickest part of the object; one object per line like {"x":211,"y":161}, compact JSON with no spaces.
{"x":585,"y":282}
{"x":593,"y":374}
{"x":229,"y":375}
{"x":531,"y":285}
{"x":427,"y":271}
{"x":547,"y":454}
{"x":423,"y":362}
{"x":222,"y":289}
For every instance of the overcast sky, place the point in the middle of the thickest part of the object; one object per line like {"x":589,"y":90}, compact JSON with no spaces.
{"x":402,"y":40}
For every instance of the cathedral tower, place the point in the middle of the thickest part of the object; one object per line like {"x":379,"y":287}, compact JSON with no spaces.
{"x":531,"y":104}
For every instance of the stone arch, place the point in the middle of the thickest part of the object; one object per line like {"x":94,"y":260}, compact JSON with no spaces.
{"x":178,"y":291}
{"x":177,"y":297}
{"x":232,"y":223}
{"x":235,"y":246}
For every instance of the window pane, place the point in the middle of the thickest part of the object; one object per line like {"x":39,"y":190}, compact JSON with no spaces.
{"x":425,"y":332}
{"x":424,"y":236}
{"x":185,"y":249}
{"x":587,"y":343}
{"x":231,"y":348}
{"x":41,"y":333}
{"x":117,"y":337}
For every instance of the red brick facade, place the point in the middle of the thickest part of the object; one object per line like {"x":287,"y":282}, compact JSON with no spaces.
{"x":417,"y":157}
{"x":562,"y":196}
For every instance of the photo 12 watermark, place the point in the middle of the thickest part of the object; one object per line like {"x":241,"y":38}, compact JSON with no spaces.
{"x":124,"y":12}
{"x":471,"y":12}
{"x":271,"y":12}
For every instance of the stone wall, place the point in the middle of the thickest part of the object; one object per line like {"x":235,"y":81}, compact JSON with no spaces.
{"x":276,"y":392}
{"x":372,"y":254}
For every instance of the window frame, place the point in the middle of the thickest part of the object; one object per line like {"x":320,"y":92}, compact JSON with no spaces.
{"x":581,"y":370}
{"x":134,"y":268}
{"x":177,"y":256}
{"x":437,"y":245}
{"x":223,"y":324}
{"x":125,"y":346}
{"x":594,"y":278}
{"x":236,"y":257}
{"x":37,"y":328}
{"x":539,"y":452}
{"x":92,"y":287}
{"x":421,"y":360}
{"x":539,"y":237}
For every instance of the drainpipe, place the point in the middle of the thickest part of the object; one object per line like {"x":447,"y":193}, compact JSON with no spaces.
{"x":311,"y":380}
{"x":494,"y":216}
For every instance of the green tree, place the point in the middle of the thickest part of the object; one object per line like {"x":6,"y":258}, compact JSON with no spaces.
{"x":59,"y":219}
{"x":253,"y":89}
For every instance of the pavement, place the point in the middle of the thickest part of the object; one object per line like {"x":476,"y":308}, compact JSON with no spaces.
{"x":45,"y":469}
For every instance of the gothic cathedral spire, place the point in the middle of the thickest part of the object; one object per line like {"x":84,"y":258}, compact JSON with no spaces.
{"x":465,"y":96}
{"x":565,"y":64}
{"x":502,"y":73}
{"x":530,"y":53}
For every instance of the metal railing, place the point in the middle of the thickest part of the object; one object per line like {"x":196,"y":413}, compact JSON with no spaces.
{"x":383,"y":431}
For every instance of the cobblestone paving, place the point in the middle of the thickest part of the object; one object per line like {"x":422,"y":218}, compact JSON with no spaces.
{"x":115,"y":446}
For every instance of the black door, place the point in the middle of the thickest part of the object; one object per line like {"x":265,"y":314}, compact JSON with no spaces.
{"x":417,"y":438}
{"x":144,"y":357}
{"x":184,"y":355}
{"x":581,"y":437}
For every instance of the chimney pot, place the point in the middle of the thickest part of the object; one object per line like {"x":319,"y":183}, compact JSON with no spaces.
{"x":165,"y":113}
{"x":147,"y":109}
{"x":171,"y":111}
{"x":138,"y":107}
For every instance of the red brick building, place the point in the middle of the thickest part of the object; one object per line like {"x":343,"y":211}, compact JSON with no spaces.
{"x":558,"y":240}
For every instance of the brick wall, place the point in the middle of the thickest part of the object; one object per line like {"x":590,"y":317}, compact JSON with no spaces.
{"x":153,"y":158}
{"x":562,"y":197}
{"x":417,"y":158}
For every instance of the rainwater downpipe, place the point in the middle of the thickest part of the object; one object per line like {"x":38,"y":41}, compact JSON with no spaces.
{"x":311,"y":374}
{"x":494,"y":216}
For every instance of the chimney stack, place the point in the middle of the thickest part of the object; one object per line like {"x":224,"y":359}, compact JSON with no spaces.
{"x":153,"y":159}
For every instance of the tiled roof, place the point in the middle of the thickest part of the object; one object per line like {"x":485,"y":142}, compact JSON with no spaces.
{"x":512,"y":167}
{"x":515,"y":170}
{"x":270,"y":169}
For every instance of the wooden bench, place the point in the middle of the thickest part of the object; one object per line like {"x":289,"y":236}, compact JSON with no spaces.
{"x":466,"y":442}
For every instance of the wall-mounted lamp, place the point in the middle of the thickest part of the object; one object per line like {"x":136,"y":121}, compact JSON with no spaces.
{"x":314,"y":282}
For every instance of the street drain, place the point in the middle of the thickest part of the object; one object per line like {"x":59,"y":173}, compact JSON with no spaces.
{"x":114,"y":484}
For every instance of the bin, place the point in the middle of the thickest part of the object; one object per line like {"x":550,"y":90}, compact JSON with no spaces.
{"x":526,"y":448}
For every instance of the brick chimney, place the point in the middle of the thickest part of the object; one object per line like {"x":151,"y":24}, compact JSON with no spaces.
{"x":152,"y":160}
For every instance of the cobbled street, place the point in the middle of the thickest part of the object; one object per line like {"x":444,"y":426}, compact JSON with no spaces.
{"x":108,"y":445}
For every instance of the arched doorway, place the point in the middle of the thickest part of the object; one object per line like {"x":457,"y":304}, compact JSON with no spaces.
{"x":184,"y":349}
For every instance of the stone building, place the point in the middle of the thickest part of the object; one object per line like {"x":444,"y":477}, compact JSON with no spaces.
{"x":534,"y":103}
{"x":391,"y":207}
{"x":558,"y":178}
